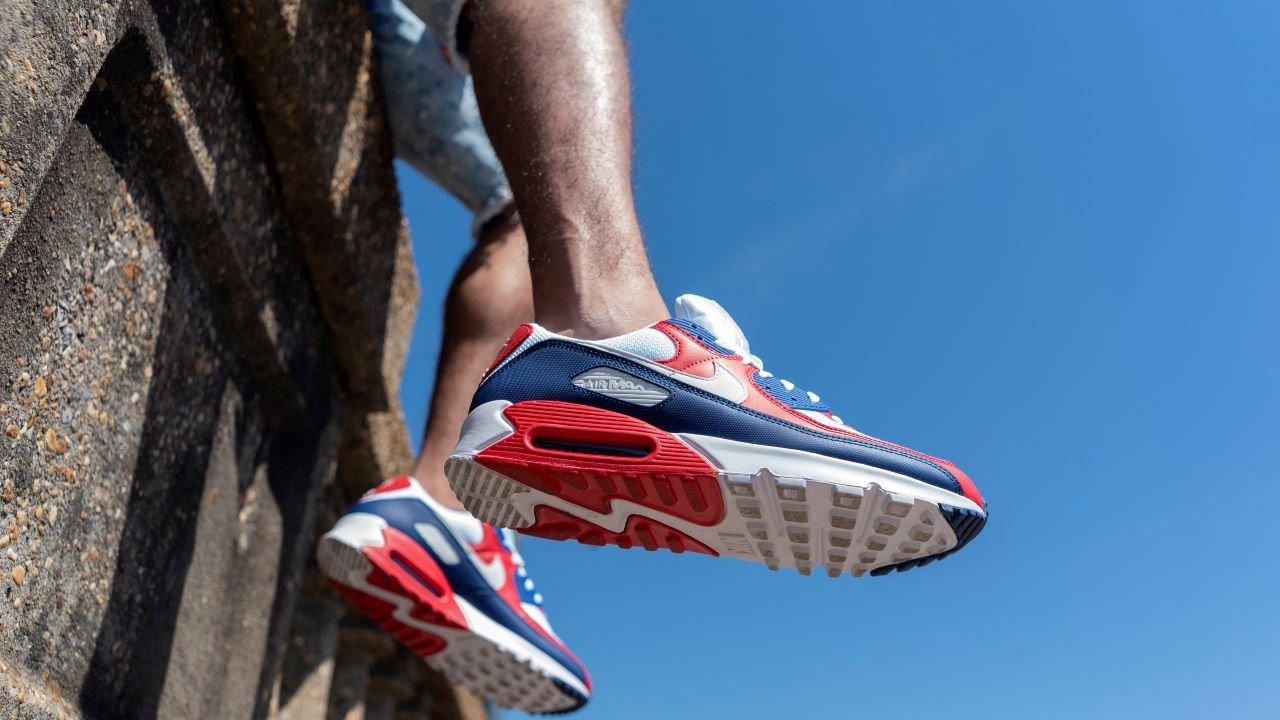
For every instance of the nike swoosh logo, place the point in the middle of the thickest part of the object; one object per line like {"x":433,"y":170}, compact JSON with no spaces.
{"x":494,"y":572}
{"x":722,"y":381}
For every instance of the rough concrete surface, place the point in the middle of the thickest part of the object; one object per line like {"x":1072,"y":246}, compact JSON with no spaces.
{"x":206,"y":294}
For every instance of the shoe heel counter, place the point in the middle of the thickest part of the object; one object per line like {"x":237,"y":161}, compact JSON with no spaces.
{"x":539,"y":366}
{"x":517,"y":339}
{"x":402,"y":482}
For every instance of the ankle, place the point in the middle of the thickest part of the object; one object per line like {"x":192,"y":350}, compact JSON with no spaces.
{"x":620,"y":309}
{"x":432,"y":480}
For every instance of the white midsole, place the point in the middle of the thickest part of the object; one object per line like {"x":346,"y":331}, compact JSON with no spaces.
{"x":487,"y":425}
{"x":361,"y":530}
{"x":483,"y":427}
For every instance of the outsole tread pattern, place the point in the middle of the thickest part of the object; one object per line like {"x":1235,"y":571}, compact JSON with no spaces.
{"x":638,"y":532}
{"x":485,"y":493}
{"x":964,"y":522}
{"x":809,"y":525}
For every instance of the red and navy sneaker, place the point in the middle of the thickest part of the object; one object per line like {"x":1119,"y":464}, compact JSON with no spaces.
{"x":675,"y":436}
{"x":456,"y":592}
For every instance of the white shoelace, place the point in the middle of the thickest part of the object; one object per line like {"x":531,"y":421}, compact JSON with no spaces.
{"x":522,"y":575}
{"x":755,"y":362}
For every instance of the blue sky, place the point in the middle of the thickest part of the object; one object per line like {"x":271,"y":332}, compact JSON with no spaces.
{"x":1039,"y":241}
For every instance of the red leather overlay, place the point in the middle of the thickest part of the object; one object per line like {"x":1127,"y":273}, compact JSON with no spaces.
{"x":691,"y":355}
{"x":513,"y":342}
{"x":399,"y":483}
{"x":402,"y":567}
{"x":668,"y":477}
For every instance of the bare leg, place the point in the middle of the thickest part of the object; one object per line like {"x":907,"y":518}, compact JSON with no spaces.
{"x":488,"y":299}
{"x":554,"y":93}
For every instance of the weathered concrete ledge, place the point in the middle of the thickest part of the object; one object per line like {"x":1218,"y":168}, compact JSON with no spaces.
{"x":206,"y":296}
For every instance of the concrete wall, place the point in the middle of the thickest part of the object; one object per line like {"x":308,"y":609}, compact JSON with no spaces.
{"x":206,"y":295}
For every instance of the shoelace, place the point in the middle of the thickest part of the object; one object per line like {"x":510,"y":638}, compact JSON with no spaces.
{"x":528,"y":584}
{"x":521,"y":575}
{"x":757,"y":363}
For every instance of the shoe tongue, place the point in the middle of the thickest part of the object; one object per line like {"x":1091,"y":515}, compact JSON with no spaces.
{"x":511,"y":540}
{"x":708,"y":315}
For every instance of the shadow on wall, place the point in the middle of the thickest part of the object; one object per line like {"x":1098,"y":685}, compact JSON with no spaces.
{"x":212,"y":289}
{"x":210,"y":486}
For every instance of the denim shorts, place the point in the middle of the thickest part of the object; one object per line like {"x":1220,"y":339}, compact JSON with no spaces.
{"x":431,"y":104}
{"x":441,"y":18}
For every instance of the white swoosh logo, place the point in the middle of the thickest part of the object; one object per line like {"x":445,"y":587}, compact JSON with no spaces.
{"x":722,"y":382}
{"x":493,"y":571}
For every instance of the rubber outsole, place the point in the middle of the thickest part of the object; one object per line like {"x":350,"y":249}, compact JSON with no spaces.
{"x":965,"y":523}
{"x":780,"y":522}
{"x":464,"y":657}
{"x":638,"y":532}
